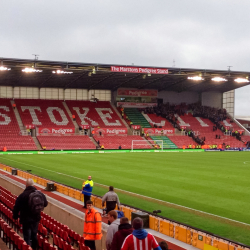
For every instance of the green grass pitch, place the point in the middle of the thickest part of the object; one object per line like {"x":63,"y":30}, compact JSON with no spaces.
{"x":213,"y":182}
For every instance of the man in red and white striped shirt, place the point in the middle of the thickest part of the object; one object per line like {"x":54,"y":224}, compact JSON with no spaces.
{"x":140,"y":239}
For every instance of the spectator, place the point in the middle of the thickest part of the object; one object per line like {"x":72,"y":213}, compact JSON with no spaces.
{"x":92,"y":229}
{"x":142,"y":238}
{"x":87,"y":188}
{"x":113,"y":228}
{"x":30,"y":213}
{"x":120,"y":147}
{"x":111,"y":199}
{"x":124,"y":230}
{"x":163,"y":245}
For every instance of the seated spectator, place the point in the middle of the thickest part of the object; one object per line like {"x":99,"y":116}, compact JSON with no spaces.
{"x":111,"y":199}
{"x":124,"y":229}
{"x":113,"y":228}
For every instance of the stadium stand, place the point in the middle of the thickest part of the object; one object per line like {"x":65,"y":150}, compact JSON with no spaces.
{"x":113,"y":142}
{"x":10,"y":134}
{"x":167,"y":143}
{"x":159,"y":121}
{"x":181,"y":141}
{"x":136,"y":117}
{"x":44,"y":113}
{"x":203,"y":127}
{"x":95,"y":114}
{"x":58,"y":142}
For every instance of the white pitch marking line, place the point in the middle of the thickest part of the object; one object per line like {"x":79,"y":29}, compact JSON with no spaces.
{"x":137,"y":194}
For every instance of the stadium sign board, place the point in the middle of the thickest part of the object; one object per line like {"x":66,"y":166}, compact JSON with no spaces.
{"x":138,"y":92}
{"x":110,"y":131}
{"x":136,"y":104}
{"x":60,"y":131}
{"x":158,"y":131}
{"x":142,"y":70}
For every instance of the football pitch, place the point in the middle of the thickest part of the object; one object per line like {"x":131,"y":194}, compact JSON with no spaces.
{"x":207,"y":190}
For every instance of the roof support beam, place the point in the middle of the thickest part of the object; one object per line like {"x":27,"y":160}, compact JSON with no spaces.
{"x":119,"y":85}
{"x":104,"y":79}
{"x":173,"y":84}
{"x":79,"y":77}
{"x":153,"y":81}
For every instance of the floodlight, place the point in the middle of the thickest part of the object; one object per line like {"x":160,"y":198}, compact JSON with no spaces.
{"x":2,"y":68}
{"x":195,"y":78}
{"x":62,"y":72}
{"x":219,"y":79}
{"x":241,"y":80}
{"x":31,"y":70}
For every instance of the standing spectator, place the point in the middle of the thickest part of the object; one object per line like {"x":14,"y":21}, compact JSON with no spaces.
{"x":92,"y":229}
{"x":30,"y":203}
{"x":124,"y":230}
{"x":140,"y":239}
{"x":163,"y":245}
{"x":113,"y":228}
{"x":87,"y":188}
{"x":111,"y":199}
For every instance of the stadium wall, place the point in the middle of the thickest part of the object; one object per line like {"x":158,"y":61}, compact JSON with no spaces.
{"x":212,"y":99}
{"x":177,"y":98}
{"x":53,"y":93}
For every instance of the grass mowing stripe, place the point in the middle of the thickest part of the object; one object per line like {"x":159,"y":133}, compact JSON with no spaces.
{"x":137,"y":195}
{"x":177,"y":178}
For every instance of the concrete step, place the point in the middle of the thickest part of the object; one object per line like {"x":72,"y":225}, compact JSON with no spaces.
{"x":18,"y":118}
{"x":38,"y":145}
{"x":130,"y":132}
{"x":70,"y":115}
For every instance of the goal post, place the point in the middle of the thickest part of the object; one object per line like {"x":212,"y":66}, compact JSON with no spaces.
{"x":147,"y":144}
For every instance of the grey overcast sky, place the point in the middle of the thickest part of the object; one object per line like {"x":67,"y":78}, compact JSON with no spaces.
{"x":195,"y":33}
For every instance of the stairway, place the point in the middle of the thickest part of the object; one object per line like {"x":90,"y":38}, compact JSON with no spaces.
{"x":167,"y":143}
{"x":124,"y":123}
{"x":38,"y":145}
{"x":136,"y":117}
{"x":70,"y":115}
{"x":18,"y":118}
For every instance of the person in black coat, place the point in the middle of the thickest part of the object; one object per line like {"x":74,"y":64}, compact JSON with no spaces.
{"x":28,"y":219}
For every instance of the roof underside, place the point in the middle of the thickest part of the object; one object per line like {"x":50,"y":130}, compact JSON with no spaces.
{"x":176,"y":80}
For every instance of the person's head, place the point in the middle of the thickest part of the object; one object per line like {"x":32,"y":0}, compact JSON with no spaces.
{"x":29,"y":183}
{"x":124,"y":220}
{"x":89,"y":205}
{"x":112,"y":215}
{"x":137,"y":223}
{"x":163,"y":245}
{"x":89,"y":178}
{"x":111,"y":188}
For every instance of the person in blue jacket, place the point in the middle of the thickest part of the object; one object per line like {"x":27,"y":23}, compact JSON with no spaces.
{"x":87,"y":188}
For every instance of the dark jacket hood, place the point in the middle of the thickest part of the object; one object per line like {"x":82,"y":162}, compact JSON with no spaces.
{"x":125,"y":229}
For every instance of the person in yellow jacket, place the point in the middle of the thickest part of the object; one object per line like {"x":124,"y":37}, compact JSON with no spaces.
{"x":87,"y":188}
{"x":92,"y":228}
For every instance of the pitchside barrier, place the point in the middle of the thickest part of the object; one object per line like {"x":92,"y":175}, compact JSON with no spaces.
{"x":182,"y":232}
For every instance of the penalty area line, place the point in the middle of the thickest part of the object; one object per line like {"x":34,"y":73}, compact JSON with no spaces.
{"x":139,"y":195}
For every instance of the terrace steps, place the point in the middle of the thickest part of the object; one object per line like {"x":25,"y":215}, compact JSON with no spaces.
{"x":136,"y":117}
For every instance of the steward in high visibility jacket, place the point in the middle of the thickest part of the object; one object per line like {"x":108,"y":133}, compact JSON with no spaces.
{"x":92,"y":228}
{"x":87,"y":188}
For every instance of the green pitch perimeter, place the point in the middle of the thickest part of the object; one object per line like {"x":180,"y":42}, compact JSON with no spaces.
{"x":214,"y":182}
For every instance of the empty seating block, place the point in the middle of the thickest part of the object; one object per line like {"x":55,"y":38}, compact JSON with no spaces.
{"x":44,"y":113}
{"x":113,"y":142}
{"x":10,"y":136}
{"x":59,"y":142}
{"x":95,"y":114}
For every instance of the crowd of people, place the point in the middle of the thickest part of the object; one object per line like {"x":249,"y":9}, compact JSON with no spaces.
{"x":121,"y":235}
{"x":215,"y":115}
